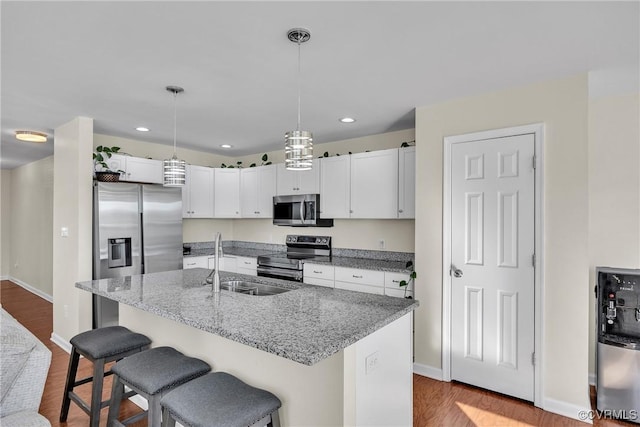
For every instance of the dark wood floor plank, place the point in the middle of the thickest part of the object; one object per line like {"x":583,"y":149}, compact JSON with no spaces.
{"x":435,"y":403}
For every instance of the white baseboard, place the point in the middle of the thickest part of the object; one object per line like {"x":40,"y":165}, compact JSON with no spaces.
{"x":31,"y":289}
{"x":592,"y":378}
{"x":140,"y":401}
{"x":427,"y":371}
{"x":565,"y":409}
{"x":61,"y":342}
{"x":4,"y":277}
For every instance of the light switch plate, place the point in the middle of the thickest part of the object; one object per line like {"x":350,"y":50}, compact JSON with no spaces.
{"x":371,"y":363}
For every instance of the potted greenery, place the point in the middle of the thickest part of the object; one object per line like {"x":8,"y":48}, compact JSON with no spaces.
{"x":100,"y":157}
{"x":412,"y":278}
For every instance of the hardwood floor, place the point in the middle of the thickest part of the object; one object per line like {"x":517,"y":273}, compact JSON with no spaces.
{"x":36,"y":314}
{"x":435,"y":403}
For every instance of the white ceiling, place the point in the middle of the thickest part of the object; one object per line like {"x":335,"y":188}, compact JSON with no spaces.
{"x":375,"y":61}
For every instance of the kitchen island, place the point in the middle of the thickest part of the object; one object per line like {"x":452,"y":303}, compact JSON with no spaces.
{"x":333,"y":357}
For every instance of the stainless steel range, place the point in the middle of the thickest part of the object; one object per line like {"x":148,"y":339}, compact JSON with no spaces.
{"x":288,"y":265}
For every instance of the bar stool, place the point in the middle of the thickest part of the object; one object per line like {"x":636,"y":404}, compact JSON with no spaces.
{"x":219,"y":399}
{"x":99,"y":346}
{"x":151,"y":374}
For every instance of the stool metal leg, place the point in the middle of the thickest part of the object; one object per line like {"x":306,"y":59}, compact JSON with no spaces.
{"x":167,"y":419}
{"x":116,"y":397}
{"x":96,"y":392}
{"x":155,"y":410}
{"x":275,"y":419}
{"x":74,"y":359}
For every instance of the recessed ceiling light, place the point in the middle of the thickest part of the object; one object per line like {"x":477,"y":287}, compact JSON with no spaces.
{"x":142,"y":129}
{"x":31,"y":136}
{"x":226,"y":146}
{"x":347,"y":120}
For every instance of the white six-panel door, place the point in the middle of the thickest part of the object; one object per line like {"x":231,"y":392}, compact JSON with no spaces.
{"x":492,"y":282}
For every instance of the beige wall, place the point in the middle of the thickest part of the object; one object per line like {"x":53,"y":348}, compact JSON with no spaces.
{"x":31,"y":229}
{"x":72,"y":208}
{"x":357,"y":234}
{"x":562,"y":106}
{"x":614,"y":190}
{"x":5,"y":222}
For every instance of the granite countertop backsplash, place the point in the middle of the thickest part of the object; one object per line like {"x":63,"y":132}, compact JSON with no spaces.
{"x":306,"y":325}
{"x":350,"y":258}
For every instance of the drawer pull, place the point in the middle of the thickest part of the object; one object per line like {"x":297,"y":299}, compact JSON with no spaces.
{"x":356,"y":277}
{"x":396,"y":281}
{"x":317,"y":272}
{"x":247,"y":262}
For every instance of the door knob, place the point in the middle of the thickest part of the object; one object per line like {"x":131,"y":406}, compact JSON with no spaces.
{"x":455,"y":272}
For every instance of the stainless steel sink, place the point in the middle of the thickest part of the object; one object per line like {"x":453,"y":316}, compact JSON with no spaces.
{"x":252,"y":288}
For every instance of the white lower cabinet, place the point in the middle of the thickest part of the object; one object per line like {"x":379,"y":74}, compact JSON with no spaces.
{"x":353,"y":279}
{"x":392,"y":286}
{"x":246,"y":265}
{"x":195,"y":262}
{"x":319,"y":274}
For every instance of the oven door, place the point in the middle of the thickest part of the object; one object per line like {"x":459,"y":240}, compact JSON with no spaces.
{"x":280,"y":273}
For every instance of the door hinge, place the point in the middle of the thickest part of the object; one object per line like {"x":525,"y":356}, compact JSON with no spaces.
{"x":533,"y":260}
{"x":533,"y":358}
{"x":534,"y":162}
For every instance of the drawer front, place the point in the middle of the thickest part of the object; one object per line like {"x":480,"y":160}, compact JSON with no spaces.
{"x":362,"y":277}
{"x":247,"y":263}
{"x":318,"y":282}
{"x":194,"y":262}
{"x":379,"y":290}
{"x":392,"y":280}
{"x":319,"y":271}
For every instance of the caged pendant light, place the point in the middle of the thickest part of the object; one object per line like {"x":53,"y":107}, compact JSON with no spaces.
{"x":298,"y":144}
{"x":174,"y":168}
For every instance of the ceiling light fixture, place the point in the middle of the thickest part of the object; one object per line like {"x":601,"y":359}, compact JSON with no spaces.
{"x":142,"y":129}
{"x":31,"y":136}
{"x":298,"y":144}
{"x":174,"y":169}
{"x":347,"y":120}
{"x":226,"y":146}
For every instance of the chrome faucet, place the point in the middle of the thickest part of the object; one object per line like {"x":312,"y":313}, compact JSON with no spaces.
{"x":215,"y":286}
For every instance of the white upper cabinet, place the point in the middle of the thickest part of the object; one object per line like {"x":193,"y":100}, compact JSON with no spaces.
{"x":407,"y":182}
{"x":335,"y":187}
{"x":136,"y":169}
{"x":257,"y":188}
{"x":227,"y":193}
{"x":197,"y":194}
{"x":374,"y":184}
{"x":144,"y":170}
{"x":298,"y":182}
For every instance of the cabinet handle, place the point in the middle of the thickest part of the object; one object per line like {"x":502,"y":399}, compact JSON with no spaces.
{"x":193,"y":263}
{"x":247,"y":262}
{"x":356,"y":277}
{"x":317,"y":272}
{"x":400,"y":210}
{"x":395,"y":281}
{"x":350,"y":211}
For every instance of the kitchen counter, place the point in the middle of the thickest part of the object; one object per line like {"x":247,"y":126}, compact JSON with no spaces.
{"x":307,"y":324}
{"x":392,"y":261}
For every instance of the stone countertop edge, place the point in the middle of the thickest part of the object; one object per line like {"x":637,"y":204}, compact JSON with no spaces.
{"x":289,"y":350}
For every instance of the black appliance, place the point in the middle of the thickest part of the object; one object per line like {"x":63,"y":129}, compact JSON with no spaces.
{"x":618,"y":345}
{"x":299,"y":210}
{"x":289,"y":265}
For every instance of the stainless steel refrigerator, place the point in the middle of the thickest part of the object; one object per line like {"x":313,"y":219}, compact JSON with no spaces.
{"x":137,"y":228}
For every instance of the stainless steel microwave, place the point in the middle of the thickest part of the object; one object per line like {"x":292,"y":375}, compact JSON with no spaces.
{"x":299,"y":210}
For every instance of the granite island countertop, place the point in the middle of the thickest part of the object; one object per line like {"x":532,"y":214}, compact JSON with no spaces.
{"x":306,"y":325}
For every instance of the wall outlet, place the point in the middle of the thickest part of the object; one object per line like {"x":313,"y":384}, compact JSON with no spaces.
{"x":64,"y":232}
{"x":371,"y":363}
{"x":381,"y":244}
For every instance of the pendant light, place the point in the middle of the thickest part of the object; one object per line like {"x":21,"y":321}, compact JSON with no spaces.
{"x":174,"y":169}
{"x":298,"y":144}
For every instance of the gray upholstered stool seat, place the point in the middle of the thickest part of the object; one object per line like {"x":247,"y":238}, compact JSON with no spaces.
{"x":100,"y":346}
{"x":219,"y":399}
{"x":152,"y":373}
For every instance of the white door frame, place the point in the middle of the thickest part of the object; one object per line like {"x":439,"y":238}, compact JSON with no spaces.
{"x":538,"y":131}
